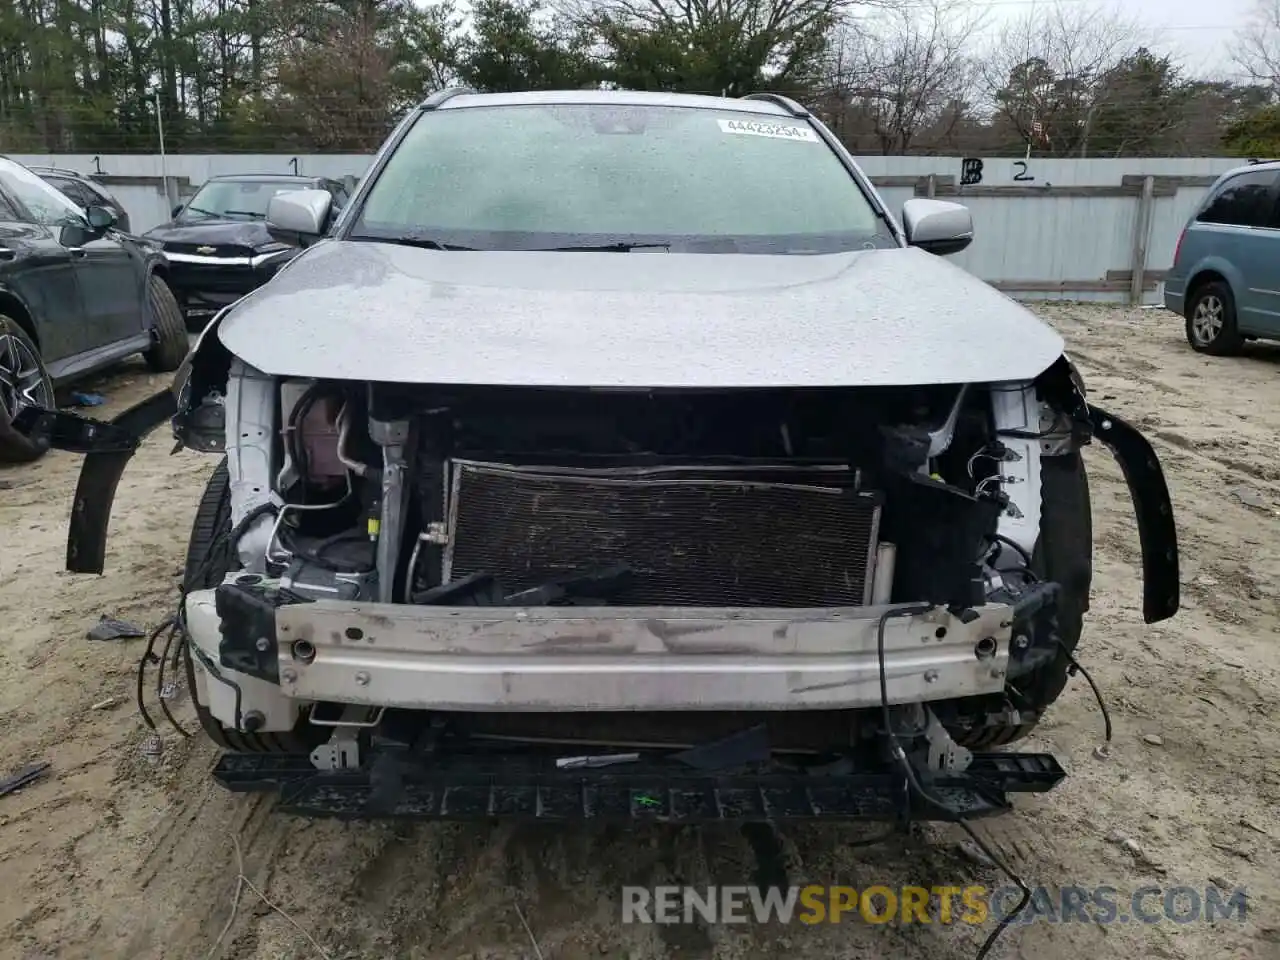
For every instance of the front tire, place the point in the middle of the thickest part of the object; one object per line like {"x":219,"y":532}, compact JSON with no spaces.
{"x":210,"y":557}
{"x":169,"y":329}
{"x":24,"y":382}
{"x":1211,"y":320}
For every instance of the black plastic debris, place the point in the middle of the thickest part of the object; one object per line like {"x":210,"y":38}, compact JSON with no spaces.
{"x":730,"y":753}
{"x":110,"y":629}
{"x":28,"y":774}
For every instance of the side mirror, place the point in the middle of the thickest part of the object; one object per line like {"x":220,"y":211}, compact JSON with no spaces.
{"x":100,"y":218}
{"x":177,"y":210}
{"x":299,"y":217}
{"x":937,"y":226}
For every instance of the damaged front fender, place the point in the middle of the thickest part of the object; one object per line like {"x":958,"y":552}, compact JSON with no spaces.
{"x":199,"y":422}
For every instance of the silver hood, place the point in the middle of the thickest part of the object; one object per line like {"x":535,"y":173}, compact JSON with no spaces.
{"x":373,"y":311}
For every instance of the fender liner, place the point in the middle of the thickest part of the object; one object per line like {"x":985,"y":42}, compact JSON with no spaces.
{"x":100,"y":475}
{"x":108,"y":447}
{"x":1152,"y":508}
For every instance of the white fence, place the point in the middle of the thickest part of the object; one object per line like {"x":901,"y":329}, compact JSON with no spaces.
{"x":1045,"y":229}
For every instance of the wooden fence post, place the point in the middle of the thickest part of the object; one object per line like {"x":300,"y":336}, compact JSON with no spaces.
{"x":1141,"y":233}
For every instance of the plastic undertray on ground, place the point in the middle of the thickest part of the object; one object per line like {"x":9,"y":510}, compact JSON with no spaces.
{"x":462,"y":787}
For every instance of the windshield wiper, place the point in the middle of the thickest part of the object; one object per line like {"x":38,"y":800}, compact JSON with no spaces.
{"x":417,"y":240}
{"x":245,"y":213}
{"x":207,"y":213}
{"x":621,"y":246}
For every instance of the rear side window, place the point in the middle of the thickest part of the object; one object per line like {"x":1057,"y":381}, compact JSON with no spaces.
{"x":1243,"y":201}
{"x":74,"y":190}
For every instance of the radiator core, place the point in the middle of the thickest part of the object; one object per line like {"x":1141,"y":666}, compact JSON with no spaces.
{"x":697,"y":536}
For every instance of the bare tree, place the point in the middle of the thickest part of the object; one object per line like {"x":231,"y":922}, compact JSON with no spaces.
{"x":842,"y":74}
{"x":904,"y":72}
{"x":1258,"y":44}
{"x":1046,"y":74}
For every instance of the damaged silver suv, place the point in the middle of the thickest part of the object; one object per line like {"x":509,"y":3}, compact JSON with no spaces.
{"x":620,"y":455}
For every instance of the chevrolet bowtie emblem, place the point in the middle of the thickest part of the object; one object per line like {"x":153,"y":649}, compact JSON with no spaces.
{"x":206,"y":249}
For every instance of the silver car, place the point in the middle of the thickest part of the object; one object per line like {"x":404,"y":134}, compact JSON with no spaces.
{"x":621,"y":455}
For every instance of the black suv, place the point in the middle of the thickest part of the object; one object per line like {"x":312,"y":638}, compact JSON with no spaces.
{"x":217,"y":242}
{"x":76,"y":295}
{"x":84,"y":192}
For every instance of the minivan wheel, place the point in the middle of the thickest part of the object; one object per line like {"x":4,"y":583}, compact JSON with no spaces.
{"x":1211,"y":320}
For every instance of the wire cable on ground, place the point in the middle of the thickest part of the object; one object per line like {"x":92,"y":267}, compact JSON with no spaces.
{"x":178,"y":643}
{"x":175,"y":629}
{"x":1074,"y":667}
{"x":900,"y":757}
{"x":148,"y":656}
{"x":243,"y":882}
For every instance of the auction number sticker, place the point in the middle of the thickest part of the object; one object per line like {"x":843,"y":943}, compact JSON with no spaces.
{"x":775,"y":131}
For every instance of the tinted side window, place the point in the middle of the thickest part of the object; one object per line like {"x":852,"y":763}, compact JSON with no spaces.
{"x":1242,"y":201}
{"x":339,"y":192}
{"x":75,"y":191}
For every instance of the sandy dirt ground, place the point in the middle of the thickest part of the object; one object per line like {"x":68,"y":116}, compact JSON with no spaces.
{"x":118,"y":854}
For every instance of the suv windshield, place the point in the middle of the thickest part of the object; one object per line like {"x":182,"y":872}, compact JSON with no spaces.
{"x":44,"y":203}
{"x":538,"y":176}
{"x":237,"y":199}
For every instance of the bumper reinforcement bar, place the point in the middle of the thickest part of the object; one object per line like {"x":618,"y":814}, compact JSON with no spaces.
{"x":463,"y":788}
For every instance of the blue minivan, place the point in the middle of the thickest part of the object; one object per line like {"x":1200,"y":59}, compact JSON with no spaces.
{"x":1225,"y":278}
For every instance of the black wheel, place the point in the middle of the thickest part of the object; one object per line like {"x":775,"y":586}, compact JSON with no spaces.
{"x":24,"y":382}
{"x":169,"y":330}
{"x":1064,"y":554}
{"x":210,"y":558}
{"x":1211,"y":320}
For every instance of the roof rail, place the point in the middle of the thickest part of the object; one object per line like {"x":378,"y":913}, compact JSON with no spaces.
{"x":1253,"y":160}
{"x":65,"y":171}
{"x":441,"y":96}
{"x":786,"y":103}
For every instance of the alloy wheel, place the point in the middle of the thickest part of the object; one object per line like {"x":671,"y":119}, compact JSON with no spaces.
{"x":22,"y":381}
{"x":1207,"y":320}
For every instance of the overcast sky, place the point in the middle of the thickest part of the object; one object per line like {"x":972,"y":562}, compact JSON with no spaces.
{"x":1199,"y":31}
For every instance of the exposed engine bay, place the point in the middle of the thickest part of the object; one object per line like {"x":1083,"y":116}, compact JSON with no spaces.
{"x":777,"y":531}
{"x":519,"y":497}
